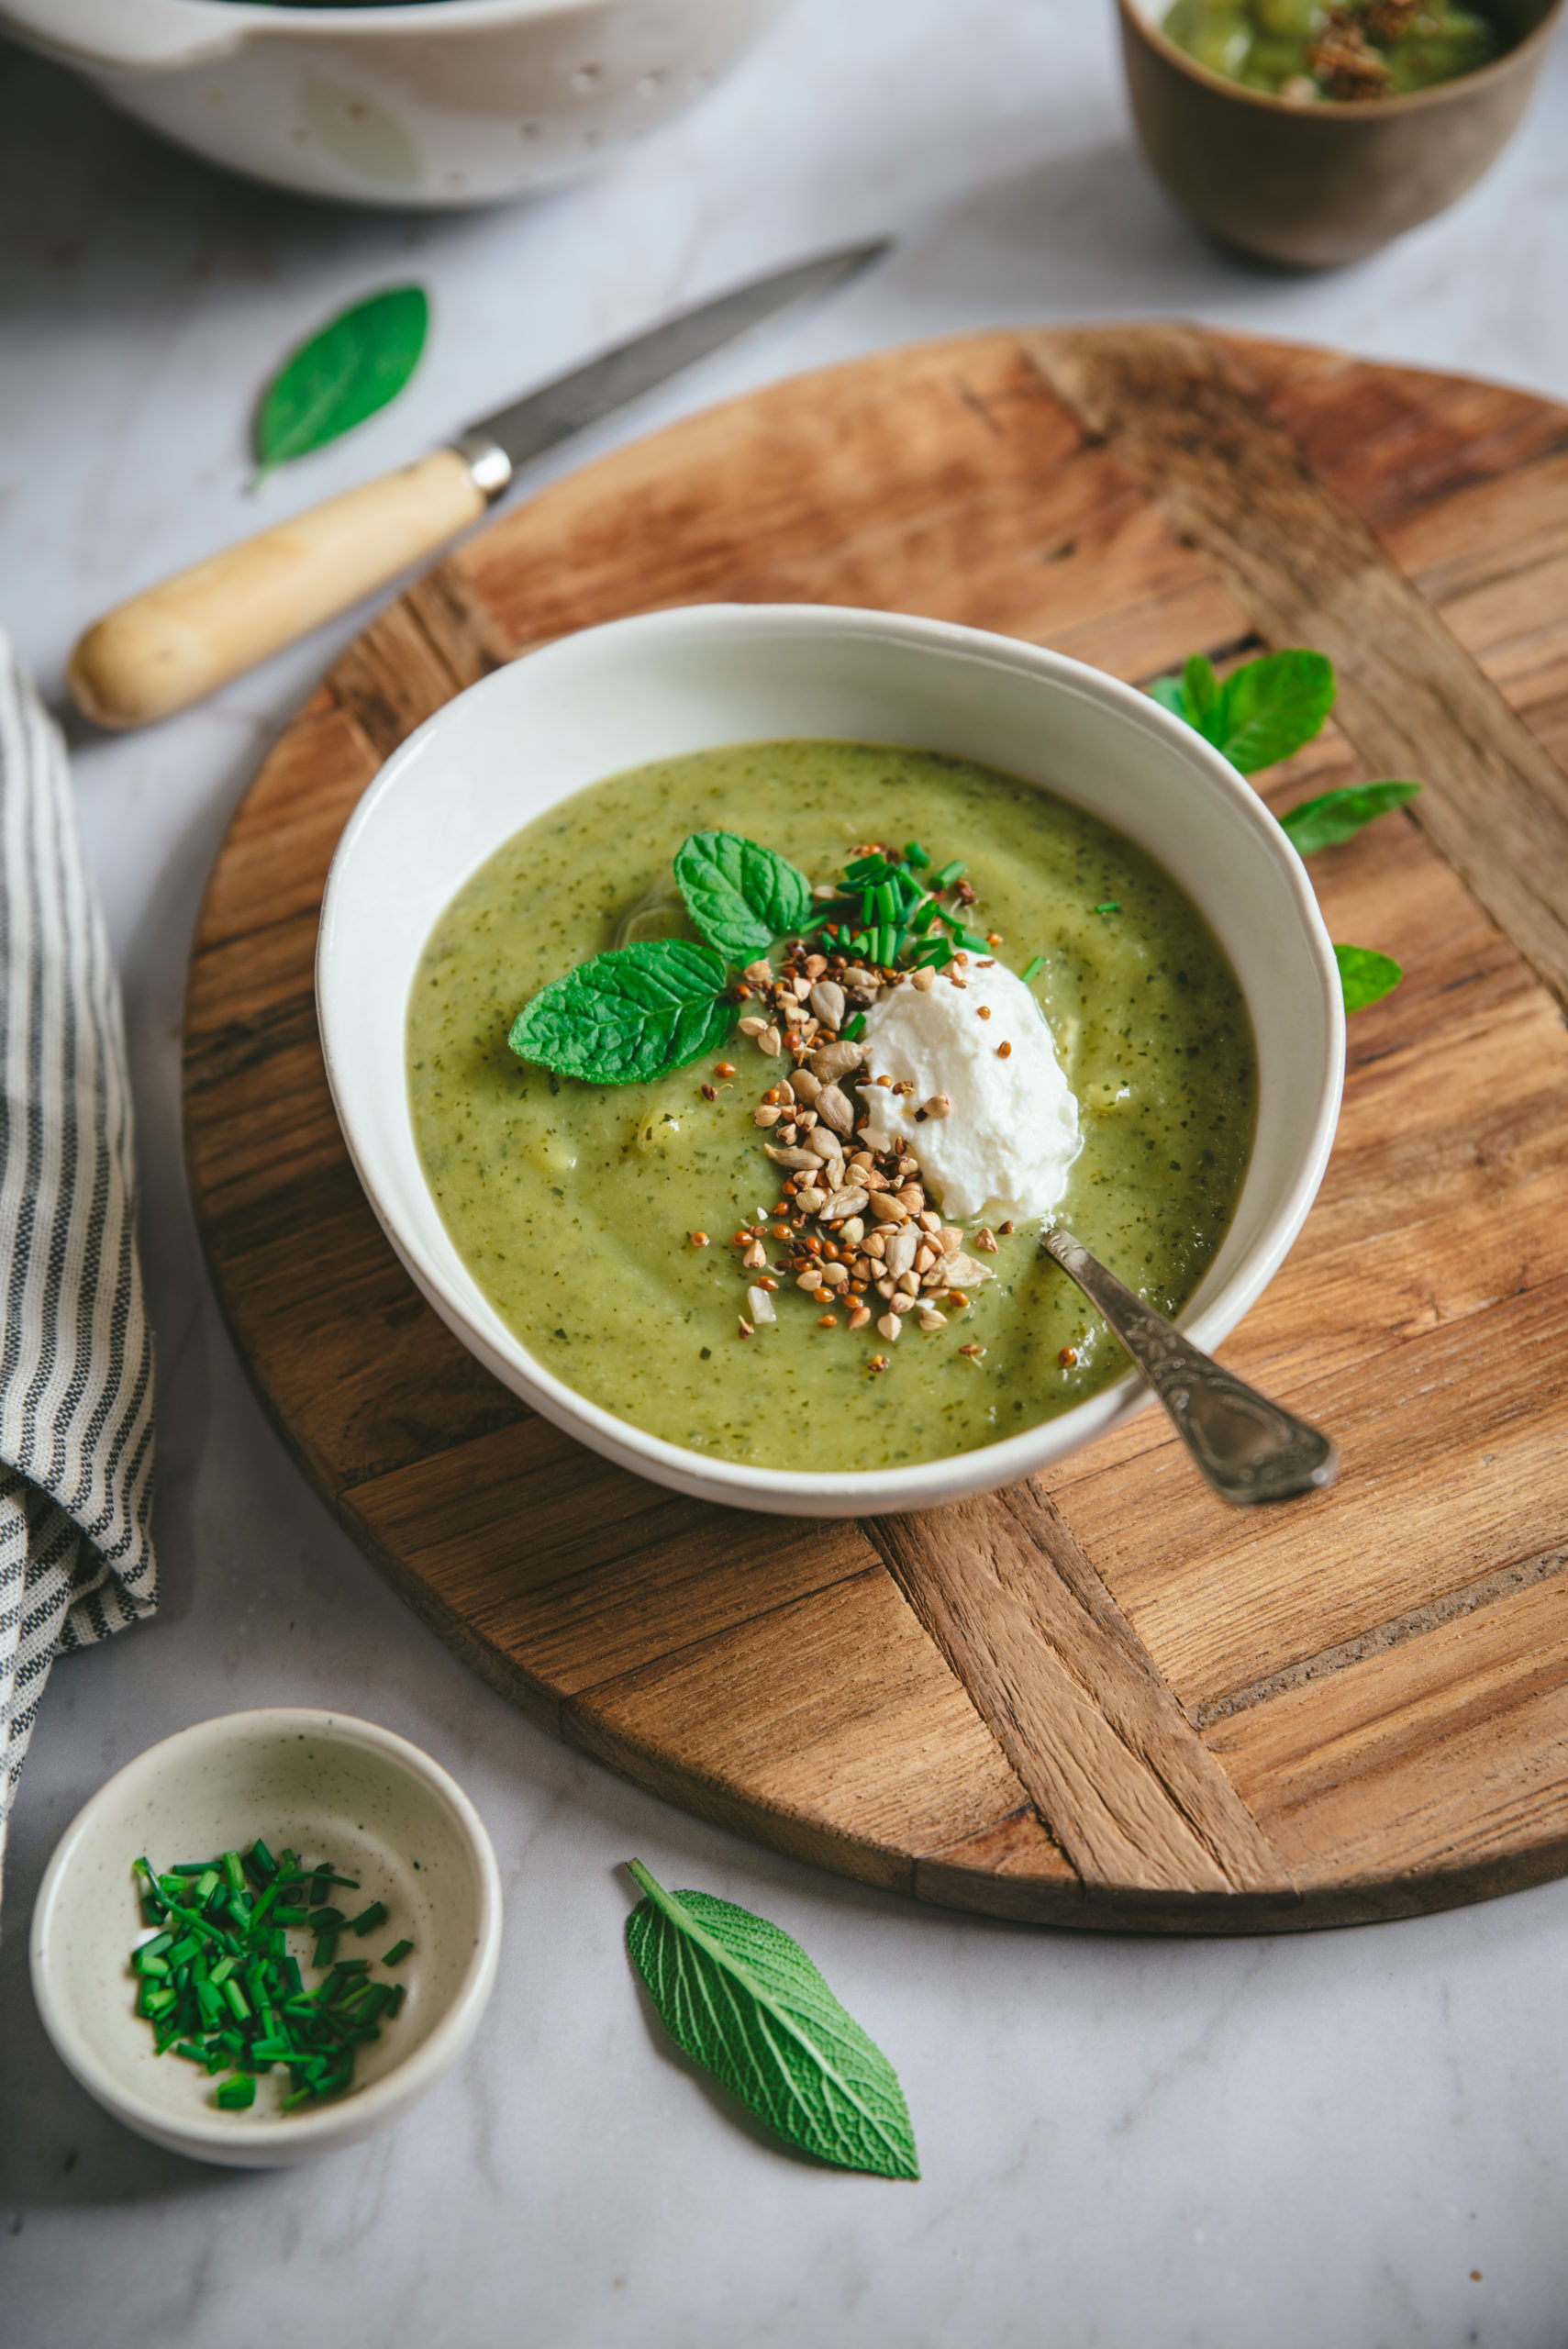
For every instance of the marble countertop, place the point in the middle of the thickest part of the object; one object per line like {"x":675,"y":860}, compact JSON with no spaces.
{"x":1355,"y":2139}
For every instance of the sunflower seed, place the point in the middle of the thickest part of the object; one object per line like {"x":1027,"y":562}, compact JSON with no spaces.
{"x":854,"y":1229}
{"x":836,"y":1276}
{"x":929,"y":1318}
{"x":811,"y":1280}
{"x":760,"y":973}
{"x":842,"y":1205}
{"x":825,"y":1143}
{"x":769,"y":1042}
{"x":964,"y":1272}
{"x":900,"y":1251}
{"x":806,"y":1086}
{"x":798,"y":1161}
{"x":835,"y":1060}
{"x":764,"y":1115}
{"x":950,"y":1238}
{"x":833,"y":1108}
{"x":890,"y":1325}
{"x":810,"y":1200}
{"x":884,"y":1205}
{"x":756,"y":1256}
{"x":759,"y":1305}
{"x":827,"y":1000}
{"x":752,"y":1027}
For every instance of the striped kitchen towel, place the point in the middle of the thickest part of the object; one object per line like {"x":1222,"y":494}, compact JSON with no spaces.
{"x":75,"y":1352}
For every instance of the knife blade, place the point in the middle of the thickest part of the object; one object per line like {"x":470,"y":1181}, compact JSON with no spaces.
{"x":171,"y":644}
{"x":540,"y":418}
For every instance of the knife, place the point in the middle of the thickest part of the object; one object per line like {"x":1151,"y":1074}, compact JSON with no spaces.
{"x":171,"y":644}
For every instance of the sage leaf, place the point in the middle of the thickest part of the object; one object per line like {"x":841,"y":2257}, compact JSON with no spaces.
{"x":357,"y":362}
{"x":744,"y":2001}
{"x":1270,"y":707}
{"x":1365,"y":976}
{"x":740,"y":897}
{"x":630,"y":1014}
{"x":1340,"y":814}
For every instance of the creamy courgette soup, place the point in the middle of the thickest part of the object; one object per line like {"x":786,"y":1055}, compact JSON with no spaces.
{"x":654,"y":1244}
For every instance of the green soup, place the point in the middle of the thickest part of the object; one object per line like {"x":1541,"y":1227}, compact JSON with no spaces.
{"x":573,"y":1205}
{"x":1306,"y":50}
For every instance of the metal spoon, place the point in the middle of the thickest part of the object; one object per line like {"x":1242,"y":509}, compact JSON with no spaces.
{"x":1249,"y":1449}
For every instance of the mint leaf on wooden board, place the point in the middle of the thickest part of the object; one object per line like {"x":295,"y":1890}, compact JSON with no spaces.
{"x":744,"y":2001}
{"x":1201,"y":693}
{"x":1271,"y":707}
{"x":357,"y":362}
{"x":630,"y":1014}
{"x":1365,"y":976}
{"x":1262,"y":713}
{"x":1340,"y":814}
{"x":740,"y":897}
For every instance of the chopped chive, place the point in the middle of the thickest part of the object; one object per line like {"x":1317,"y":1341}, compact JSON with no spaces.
{"x":1112,"y":906}
{"x":852,"y":1031}
{"x":240,"y":2006}
{"x":948,"y":874}
{"x":236,"y":2095}
{"x":397,"y":1953}
{"x":209,"y":1885}
{"x":914,"y":853}
{"x":1029,"y":969}
{"x":263,"y":1859}
{"x":234,"y":1869}
{"x":326,"y":1920}
{"x":368,"y":1919}
{"x":325,"y":1952}
{"x":400,"y":1991}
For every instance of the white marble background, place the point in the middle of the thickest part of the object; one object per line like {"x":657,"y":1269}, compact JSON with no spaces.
{"x":1301,"y":2144}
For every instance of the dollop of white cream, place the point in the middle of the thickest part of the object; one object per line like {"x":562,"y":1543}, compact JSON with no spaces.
{"x":1011,"y":1134}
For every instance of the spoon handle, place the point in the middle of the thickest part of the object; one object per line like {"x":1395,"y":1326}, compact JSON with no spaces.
{"x":1248,"y":1448}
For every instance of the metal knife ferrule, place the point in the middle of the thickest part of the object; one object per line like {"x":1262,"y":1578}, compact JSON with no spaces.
{"x":488,"y":463}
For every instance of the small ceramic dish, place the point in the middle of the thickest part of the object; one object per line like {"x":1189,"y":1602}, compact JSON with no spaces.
{"x":1317,"y":185}
{"x":333,"y":1787}
{"x":675,"y":681}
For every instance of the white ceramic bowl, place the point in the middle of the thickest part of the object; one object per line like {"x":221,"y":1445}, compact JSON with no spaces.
{"x":332,"y":1788}
{"x":440,"y":103}
{"x":689,"y":680}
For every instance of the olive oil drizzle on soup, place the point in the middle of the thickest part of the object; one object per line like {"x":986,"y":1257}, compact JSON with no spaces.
{"x":572,"y":1204}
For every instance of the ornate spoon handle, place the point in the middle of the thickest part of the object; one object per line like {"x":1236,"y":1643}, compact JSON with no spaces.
{"x":1249,"y":1449}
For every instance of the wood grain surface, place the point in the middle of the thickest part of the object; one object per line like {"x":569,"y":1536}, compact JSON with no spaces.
{"x":1116,"y":1703}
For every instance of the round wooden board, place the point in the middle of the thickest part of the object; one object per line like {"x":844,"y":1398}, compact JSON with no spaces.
{"x":1114,"y":1703}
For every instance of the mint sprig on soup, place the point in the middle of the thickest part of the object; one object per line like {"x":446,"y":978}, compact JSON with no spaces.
{"x":867,"y":1017}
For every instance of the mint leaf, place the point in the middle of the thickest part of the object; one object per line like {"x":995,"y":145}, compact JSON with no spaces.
{"x":629,"y":1015}
{"x":746,"y":2003}
{"x":1365,"y":976}
{"x":357,"y":362}
{"x":1340,"y":814}
{"x":1201,"y":694}
{"x":1167,"y":692}
{"x":740,"y":897}
{"x":1271,"y":707}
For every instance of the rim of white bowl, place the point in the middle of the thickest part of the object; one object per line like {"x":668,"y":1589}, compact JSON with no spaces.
{"x":362,"y":2109}
{"x":956,"y":1476}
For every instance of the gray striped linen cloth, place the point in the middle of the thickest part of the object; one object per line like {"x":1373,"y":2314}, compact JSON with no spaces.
{"x":76,"y":1558}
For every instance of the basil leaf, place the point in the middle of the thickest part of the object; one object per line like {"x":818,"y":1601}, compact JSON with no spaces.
{"x":746,"y":2003}
{"x":1365,"y":976}
{"x":357,"y":362}
{"x":629,"y":1015}
{"x":1201,"y":694}
{"x":1270,"y":707}
{"x":1340,"y":814}
{"x":740,"y":897}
